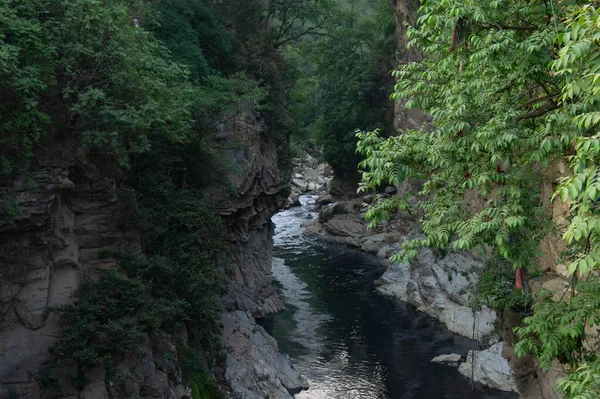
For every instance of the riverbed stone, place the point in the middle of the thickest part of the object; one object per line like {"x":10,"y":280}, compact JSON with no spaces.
{"x":448,"y":358}
{"x":378,"y":241}
{"x":344,"y":226}
{"x":490,"y":369}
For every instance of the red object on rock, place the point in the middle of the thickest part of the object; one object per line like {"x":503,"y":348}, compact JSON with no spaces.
{"x":519,"y":277}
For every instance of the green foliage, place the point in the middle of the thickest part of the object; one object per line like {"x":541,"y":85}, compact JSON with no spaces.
{"x":557,"y":329}
{"x":195,"y":33}
{"x":48,"y":380}
{"x":198,"y":377}
{"x":181,"y":237}
{"x":496,"y":287}
{"x":584,"y":382}
{"x":578,"y":62}
{"x":80,"y":72}
{"x":340,"y":85}
{"x":109,"y":318}
{"x":80,"y":69}
{"x":382,"y":209}
{"x":10,"y":208}
{"x":511,"y":88}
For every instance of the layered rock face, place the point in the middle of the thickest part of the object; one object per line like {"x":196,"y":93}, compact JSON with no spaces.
{"x":255,"y":369}
{"x":256,"y":190}
{"x":70,"y":212}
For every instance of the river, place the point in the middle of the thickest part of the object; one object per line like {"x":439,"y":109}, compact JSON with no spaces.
{"x":345,"y":338}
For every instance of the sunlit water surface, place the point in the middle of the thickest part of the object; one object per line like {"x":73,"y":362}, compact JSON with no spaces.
{"x":347,"y":340}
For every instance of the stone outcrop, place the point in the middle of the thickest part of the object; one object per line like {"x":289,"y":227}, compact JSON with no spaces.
{"x":440,"y":287}
{"x":490,"y":369}
{"x":449,"y":358}
{"x":254,"y":364}
{"x":68,"y":215}
{"x":70,"y":212}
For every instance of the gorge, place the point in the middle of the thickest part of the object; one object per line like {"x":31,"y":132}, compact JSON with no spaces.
{"x":315,"y":199}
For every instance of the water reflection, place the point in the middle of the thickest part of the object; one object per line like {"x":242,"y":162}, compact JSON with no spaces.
{"x":346,"y":339}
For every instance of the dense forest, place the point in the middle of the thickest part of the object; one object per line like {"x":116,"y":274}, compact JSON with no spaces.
{"x":141,"y":88}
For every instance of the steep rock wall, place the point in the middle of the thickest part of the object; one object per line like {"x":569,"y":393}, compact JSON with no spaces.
{"x":257,"y":189}
{"x":70,"y":212}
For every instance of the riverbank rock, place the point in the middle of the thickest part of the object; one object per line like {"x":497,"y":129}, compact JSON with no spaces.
{"x":344,"y":226}
{"x":377,"y":242}
{"x":490,"y":369}
{"x":255,"y":368}
{"x":439,"y":287}
{"x":449,"y":358}
{"x":308,"y":176}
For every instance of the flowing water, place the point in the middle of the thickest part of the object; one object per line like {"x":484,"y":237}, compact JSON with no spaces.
{"x":350,"y":342}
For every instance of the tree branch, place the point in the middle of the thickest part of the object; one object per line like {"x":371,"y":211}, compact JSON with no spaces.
{"x":537,"y":100}
{"x":509,"y":27}
{"x":310,"y":31}
{"x":544,"y":109}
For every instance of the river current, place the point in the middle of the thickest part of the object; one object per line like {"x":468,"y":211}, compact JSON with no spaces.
{"x":345,"y":338}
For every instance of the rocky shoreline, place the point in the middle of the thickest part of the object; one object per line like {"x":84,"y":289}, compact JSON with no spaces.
{"x":435,"y":285}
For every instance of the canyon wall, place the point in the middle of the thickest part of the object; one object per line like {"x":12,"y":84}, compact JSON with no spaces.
{"x":71,"y":211}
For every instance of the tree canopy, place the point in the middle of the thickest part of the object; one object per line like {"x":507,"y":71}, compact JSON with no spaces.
{"x":512,"y":91}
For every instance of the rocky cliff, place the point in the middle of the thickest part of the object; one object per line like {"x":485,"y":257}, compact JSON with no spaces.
{"x":70,"y":211}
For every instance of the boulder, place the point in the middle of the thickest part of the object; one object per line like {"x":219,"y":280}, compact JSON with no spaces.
{"x":344,"y":226}
{"x":555,"y":284}
{"x":439,"y":287}
{"x":324,"y":199}
{"x":301,"y":184}
{"x":310,"y":174}
{"x":448,"y":358}
{"x":383,"y":252}
{"x":490,"y":369}
{"x":376,"y":242}
{"x":293,"y":200}
{"x":369,"y":198}
{"x":327,"y":212}
{"x":95,"y":390}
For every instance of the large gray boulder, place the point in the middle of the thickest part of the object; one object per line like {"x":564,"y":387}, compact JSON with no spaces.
{"x":376,"y":242}
{"x":490,"y":369}
{"x":344,"y":226}
{"x":439,"y":287}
